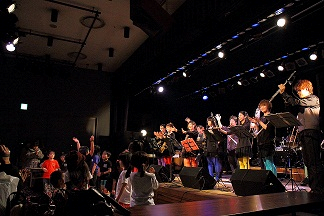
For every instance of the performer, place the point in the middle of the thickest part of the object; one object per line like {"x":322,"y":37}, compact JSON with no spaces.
{"x":213,"y":139}
{"x":232,"y":141}
{"x":189,"y":158}
{"x":201,"y":142}
{"x":244,"y":146}
{"x":309,"y":132}
{"x":265,"y":137}
{"x":162,"y":153}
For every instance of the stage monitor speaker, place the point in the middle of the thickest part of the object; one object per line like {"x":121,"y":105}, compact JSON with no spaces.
{"x":196,"y":177}
{"x":149,"y":16}
{"x":248,"y":182}
{"x":162,"y":174}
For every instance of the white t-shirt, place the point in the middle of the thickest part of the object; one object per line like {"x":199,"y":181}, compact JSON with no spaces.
{"x":142,"y":188}
{"x":125,"y":196}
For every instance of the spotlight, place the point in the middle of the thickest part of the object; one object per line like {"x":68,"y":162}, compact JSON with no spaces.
{"x":313,"y":56}
{"x":221,"y":54}
{"x":281,"y":22}
{"x":281,"y":68}
{"x":160,"y":89}
{"x":262,"y":74}
{"x":239,"y":82}
{"x":184,"y":74}
{"x":10,"y":47}
{"x":11,"y":8}
{"x":143,"y":132}
{"x":204,"y":96}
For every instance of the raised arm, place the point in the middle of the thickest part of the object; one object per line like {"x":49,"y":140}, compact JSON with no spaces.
{"x":78,"y":145}
{"x":91,"y":145}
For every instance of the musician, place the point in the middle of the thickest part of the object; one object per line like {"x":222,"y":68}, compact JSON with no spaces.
{"x":265,"y":137}
{"x":232,"y":141}
{"x":213,"y":139}
{"x":201,"y":143}
{"x":162,"y":154}
{"x":189,"y":158}
{"x":244,"y":146}
{"x":309,"y":132}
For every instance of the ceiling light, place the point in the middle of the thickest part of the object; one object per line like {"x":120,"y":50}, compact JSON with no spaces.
{"x":239,"y":82}
{"x":281,"y":68}
{"x":205,"y":97}
{"x":15,"y":41}
{"x":11,"y":8}
{"x":160,"y":89}
{"x":221,"y":54}
{"x":262,"y":74}
{"x":313,"y":56}
{"x":10,"y":47}
{"x":281,"y":22}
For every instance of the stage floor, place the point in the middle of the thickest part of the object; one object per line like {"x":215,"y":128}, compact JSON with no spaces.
{"x":175,"y":192}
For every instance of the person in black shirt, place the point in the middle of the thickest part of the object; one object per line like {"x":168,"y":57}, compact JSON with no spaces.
{"x":265,"y":137}
{"x":309,"y":134}
{"x":104,"y":172}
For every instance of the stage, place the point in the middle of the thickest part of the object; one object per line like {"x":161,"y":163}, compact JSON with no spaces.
{"x":175,"y":199}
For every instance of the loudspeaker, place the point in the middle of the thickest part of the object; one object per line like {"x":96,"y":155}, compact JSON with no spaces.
{"x":196,"y":177}
{"x":248,"y":182}
{"x":162,"y":174}
{"x":149,"y":16}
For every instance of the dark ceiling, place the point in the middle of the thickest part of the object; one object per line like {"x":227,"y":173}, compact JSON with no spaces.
{"x":200,"y":26}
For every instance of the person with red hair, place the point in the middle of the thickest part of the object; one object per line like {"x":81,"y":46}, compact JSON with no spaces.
{"x":309,"y":134}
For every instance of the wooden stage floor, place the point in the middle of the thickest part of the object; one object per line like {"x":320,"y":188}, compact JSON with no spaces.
{"x":175,"y":199}
{"x":175,"y":192}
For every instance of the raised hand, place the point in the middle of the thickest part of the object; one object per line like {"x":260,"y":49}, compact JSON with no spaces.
{"x":92,"y":138}
{"x":76,"y":140}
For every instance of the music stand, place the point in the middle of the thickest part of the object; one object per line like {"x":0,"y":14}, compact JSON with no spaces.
{"x":281,"y":120}
{"x":241,"y":132}
{"x":189,"y":145}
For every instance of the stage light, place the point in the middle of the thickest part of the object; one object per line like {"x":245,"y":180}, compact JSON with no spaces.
{"x":205,"y":97}
{"x":281,"y":22}
{"x":184,"y":74}
{"x":239,"y":82}
{"x":23,"y":106}
{"x":313,"y":56}
{"x":221,"y":54}
{"x":160,"y":89}
{"x":281,"y":68}
{"x":10,"y":47}
{"x":143,"y":132}
{"x":11,"y":8}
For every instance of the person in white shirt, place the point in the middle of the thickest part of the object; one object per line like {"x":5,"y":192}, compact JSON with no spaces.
{"x":143,"y":182}
{"x":123,"y":189}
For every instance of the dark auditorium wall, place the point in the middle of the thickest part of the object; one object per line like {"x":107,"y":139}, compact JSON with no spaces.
{"x":62,"y":102}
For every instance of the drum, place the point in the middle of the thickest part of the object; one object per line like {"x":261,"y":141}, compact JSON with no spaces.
{"x":285,"y":157}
